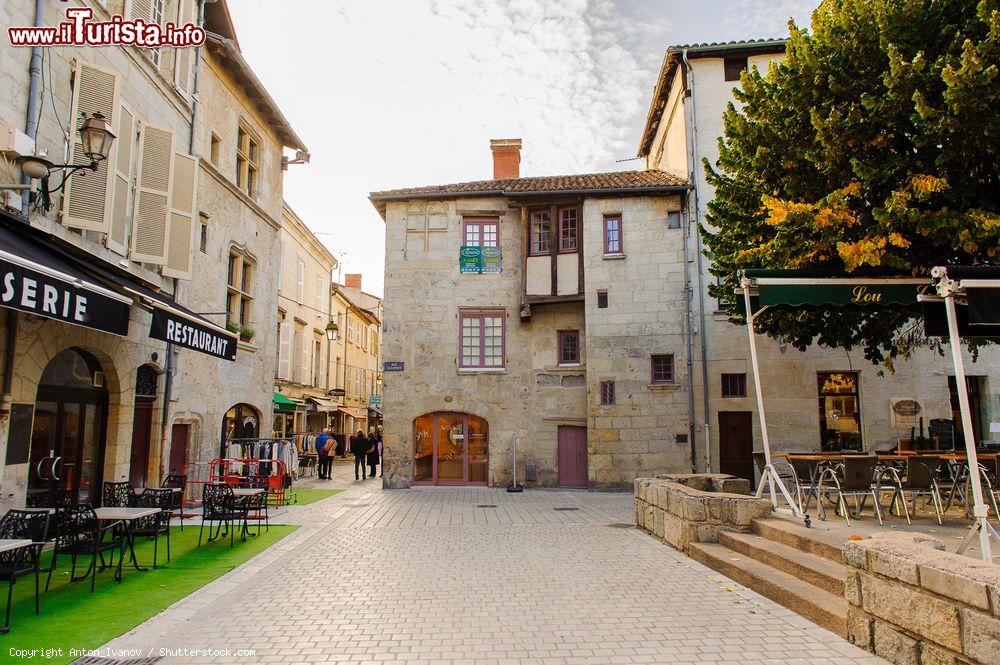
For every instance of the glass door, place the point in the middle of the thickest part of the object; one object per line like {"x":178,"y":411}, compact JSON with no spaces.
{"x":450,"y":458}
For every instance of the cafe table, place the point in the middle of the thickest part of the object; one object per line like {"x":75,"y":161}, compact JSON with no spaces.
{"x":248,"y":491}
{"x":128,"y":517}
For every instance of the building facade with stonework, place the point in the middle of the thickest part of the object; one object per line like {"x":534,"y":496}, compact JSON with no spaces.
{"x":356,"y":368}
{"x":820,"y":397}
{"x":117,"y":364}
{"x":544,"y":313}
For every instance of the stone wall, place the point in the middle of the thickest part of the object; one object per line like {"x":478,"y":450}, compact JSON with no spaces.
{"x":914,"y":604}
{"x":681,"y":509}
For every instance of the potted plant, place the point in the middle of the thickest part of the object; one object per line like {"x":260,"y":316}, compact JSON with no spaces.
{"x":233,"y":327}
{"x":247,"y":333}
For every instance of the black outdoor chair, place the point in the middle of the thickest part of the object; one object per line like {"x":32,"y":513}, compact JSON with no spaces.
{"x":79,"y":533}
{"x":255,"y":505}
{"x":176,"y":481}
{"x":119,"y":495}
{"x":219,"y":505}
{"x":858,"y":476}
{"x":21,"y":525}
{"x":921,"y":480}
{"x":156,"y":525}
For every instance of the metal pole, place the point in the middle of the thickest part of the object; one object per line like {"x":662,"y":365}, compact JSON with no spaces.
{"x":514,"y":487}
{"x":979,"y":508}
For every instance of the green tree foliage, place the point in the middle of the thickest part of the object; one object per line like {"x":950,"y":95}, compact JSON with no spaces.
{"x":875,"y":143}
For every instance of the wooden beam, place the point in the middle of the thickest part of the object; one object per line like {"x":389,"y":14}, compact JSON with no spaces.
{"x":554,"y":247}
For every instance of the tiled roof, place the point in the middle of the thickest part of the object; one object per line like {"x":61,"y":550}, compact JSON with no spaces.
{"x":736,"y":43}
{"x":616,"y":180}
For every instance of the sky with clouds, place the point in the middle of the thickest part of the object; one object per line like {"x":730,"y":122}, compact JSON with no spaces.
{"x":391,"y":93}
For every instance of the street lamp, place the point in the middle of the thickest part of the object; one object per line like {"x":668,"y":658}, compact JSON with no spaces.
{"x":95,"y":136}
{"x":332,"y":331}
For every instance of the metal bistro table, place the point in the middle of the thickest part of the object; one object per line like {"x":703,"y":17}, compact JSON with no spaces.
{"x":8,"y":545}
{"x":127,"y":516}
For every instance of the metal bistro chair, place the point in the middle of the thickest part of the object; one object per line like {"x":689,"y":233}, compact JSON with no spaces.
{"x":119,"y":495}
{"x":858,"y":476}
{"x":219,"y":505}
{"x":79,"y":533}
{"x":255,"y":505}
{"x":176,"y":481}
{"x":156,"y":525}
{"x":22,"y":525}
{"x":805,"y":475}
{"x":921,"y":480}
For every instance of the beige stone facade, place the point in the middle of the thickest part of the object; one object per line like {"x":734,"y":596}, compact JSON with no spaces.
{"x":356,"y":368}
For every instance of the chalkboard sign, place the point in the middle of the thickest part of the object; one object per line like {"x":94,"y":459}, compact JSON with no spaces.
{"x":19,"y":438}
{"x":943,"y":430}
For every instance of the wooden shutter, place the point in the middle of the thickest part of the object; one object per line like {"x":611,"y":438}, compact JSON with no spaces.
{"x":184,"y":56}
{"x":320,"y":309}
{"x":152,"y":201}
{"x":87,"y":197}
{"x":141,"y":9}
{"x":285,"y":350}
{"x":304,"y":358}
{"x":121,"y":197}
{"x":183,"y":211}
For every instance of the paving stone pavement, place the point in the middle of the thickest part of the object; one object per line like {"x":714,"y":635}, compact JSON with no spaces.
{"x":429,"y":576}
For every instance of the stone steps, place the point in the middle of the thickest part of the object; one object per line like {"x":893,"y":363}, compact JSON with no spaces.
{"x":825,"y":608}
{"x":797,"y":536}
{"x":812,"y":568}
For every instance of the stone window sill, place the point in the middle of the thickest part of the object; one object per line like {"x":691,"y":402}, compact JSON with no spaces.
{"x":482,"y":370}
{"x":664,"y":386}
{"x":574,"y":369}
{"x":247,"y":346}
{"x":613,"y":257}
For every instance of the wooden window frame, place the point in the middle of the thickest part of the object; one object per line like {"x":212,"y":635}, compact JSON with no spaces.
{"x":607,"y":393}
{"x":727,"y":385}
{"x":621,"y":235}
{"x":561,"y":338}
{"x":602,"y":294}
{"x":481,"y":315}
{"x":239,"y":284}
{"x":247,"y":158}
{"x":657,"y":376}
{"x":481,"y":223}
{"x":535,"y":248}
{"x":563,"y":245}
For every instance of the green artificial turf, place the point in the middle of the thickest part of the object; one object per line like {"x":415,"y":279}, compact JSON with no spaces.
{"x":74,"y":618}
{"x":308,"y":495}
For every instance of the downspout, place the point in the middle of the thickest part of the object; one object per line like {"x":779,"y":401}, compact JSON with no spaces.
{"x":693,"y":205}
{"x":687,"y":334}
{"x":34,"y":82}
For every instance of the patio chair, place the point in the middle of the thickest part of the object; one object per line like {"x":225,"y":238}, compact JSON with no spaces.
{"x":805,"y":475}
{"x":921,"y":480}
{"x":176,"y":481}
{"x":856,"y":476}
{"x":784,"y":473}
{"x":18,"y":525}
{"x":255,"y":505}
{"x":219,"y":505}
{"x":118,"y":495}
{"x":155,"y":525}
{"x":79,"y":533}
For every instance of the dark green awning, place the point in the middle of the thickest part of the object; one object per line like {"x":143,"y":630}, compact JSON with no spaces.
{"x":796,"y":288}
{"x":282,"y":403}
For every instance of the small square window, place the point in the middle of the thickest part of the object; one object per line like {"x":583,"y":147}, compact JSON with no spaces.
{"x":734,"y":67}
{"x":602,"y":300}
{"x":607,"y":393}
{"x":673,"y":220}
{"x":613,"y":234}
{"x":569,"y":347}
{"x":662,"y":369}
{"x":734,"y":385}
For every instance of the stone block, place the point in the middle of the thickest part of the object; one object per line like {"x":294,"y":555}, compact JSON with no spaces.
{"x":852,"y":588}
{"x":658,"y":523}
{"x":859,"y":628}
{"x":914,"y":611}
{"x":931,"y":654}
{"x":952,"y":585}
{"x":694,"y":509}
{"x":981,"y":636}
{"x":895,"y":646}
{"x":706,"y":533}
{"x":855,"y":555}
{"x":746,"y":510}
{"x":731,"y":485}
{"x":662,"y":497}
{"x":893,"y":565}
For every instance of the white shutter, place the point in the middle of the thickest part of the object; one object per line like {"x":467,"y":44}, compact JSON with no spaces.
{"x":320,"y":309}
{"x":87,"y":197}
{"x":141,"y":9}
{"x":184,"y":56}
{"x":285,"y":350}
{"x":300,"y":292}
{"x":121,"y":197}
{"x":304,"y":359}
{"x":152,"y":203}
{"x":181,"y":226}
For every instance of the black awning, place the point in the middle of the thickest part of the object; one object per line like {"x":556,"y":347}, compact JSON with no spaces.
{"x":38,"y":279}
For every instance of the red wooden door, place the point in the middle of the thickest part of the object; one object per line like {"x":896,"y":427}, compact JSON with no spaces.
{"x":178,"y":449}
{"x":736,"y":444}
{"x":142,"y":429}
{"x":572,"y":456}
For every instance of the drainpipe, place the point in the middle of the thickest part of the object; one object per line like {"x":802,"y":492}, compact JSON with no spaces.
{"x":34,"y":82}
{"x":693,"y":206}
{"x":687,"y":334}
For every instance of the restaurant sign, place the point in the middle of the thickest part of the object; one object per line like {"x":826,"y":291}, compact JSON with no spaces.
{"x":480,"y":260}
{"x":169,"y":327}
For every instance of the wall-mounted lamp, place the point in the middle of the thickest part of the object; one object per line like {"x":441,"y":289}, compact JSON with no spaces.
{"x":332,"y":331}
{"x":97,"y":139}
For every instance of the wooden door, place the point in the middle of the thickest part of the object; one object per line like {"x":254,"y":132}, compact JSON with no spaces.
{"x":142,"y":429}
{"x":572,"y":456}
{"x":178,"y":449}
{"x":736,"y":444}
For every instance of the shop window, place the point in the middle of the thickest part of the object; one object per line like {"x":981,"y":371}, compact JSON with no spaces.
{"x":482,"y":340}
{"x":602,"y":300}
{"x":569,"y":347}
{"x":541,"y":232}
{"x":662,"y":369}
{"x":239,"y":287}
{"x":734,"y":67}
{"x":734,"y":385}
{"x":569,"y":228}
{"x":607,"y":393}
{"x":839,"y":410}
{"x":247,"y":158}
{"x":481,"y":232}
{"x":613,"y":234}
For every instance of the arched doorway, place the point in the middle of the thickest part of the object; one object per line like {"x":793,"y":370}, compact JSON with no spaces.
{"x":146,"y":379}
{"x":450,"y":448}
{"x":68,"y":430}
{"x":242,"y":421}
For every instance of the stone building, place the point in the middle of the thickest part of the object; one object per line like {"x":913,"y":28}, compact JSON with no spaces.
{"x":305,"y":371}
{"x":175,"y":233}
{"x":545,"y":313}
{"x":356,"y":365}
{"x":820,"y":396}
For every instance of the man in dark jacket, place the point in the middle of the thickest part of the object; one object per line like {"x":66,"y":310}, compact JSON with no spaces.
{"x":359,"y":446}
{"x":323,"y":455}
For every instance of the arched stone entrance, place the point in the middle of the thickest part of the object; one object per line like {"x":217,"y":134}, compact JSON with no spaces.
{"x":450,"y":448}
{"x":241,"y":421}
{"x":68,"y":430}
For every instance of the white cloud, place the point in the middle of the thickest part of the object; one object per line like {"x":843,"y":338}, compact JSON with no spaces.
{"x":757,"y":18}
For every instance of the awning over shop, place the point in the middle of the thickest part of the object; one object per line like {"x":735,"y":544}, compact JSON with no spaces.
{"x":38,"y":280}
{"x":283,"y":404}
{"x":799,"y":288}
{"x":323,"y":405}
{"x":377,"y":411}
{"x":353,"y":411}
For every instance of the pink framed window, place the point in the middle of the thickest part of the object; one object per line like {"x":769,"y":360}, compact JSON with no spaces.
{"x":481,"y":232}
{"x":569,"y":229}
{"x":569,"y":347}
{"x":482,"y":339}
{"x":541,"y":232}
{"x":613,"y":234}
{"x":607,"y":392}
{"x":662,"y":369}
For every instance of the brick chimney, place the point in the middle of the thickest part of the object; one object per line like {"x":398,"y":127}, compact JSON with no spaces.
{"x":352,"y":281}
{"x":506,"y":158}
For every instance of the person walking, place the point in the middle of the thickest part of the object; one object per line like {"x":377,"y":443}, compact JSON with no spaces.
{"x":378,"y":445}
{"x":373,"y":456}
{"x":323,"y":454}
{"x":359,"y":446}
